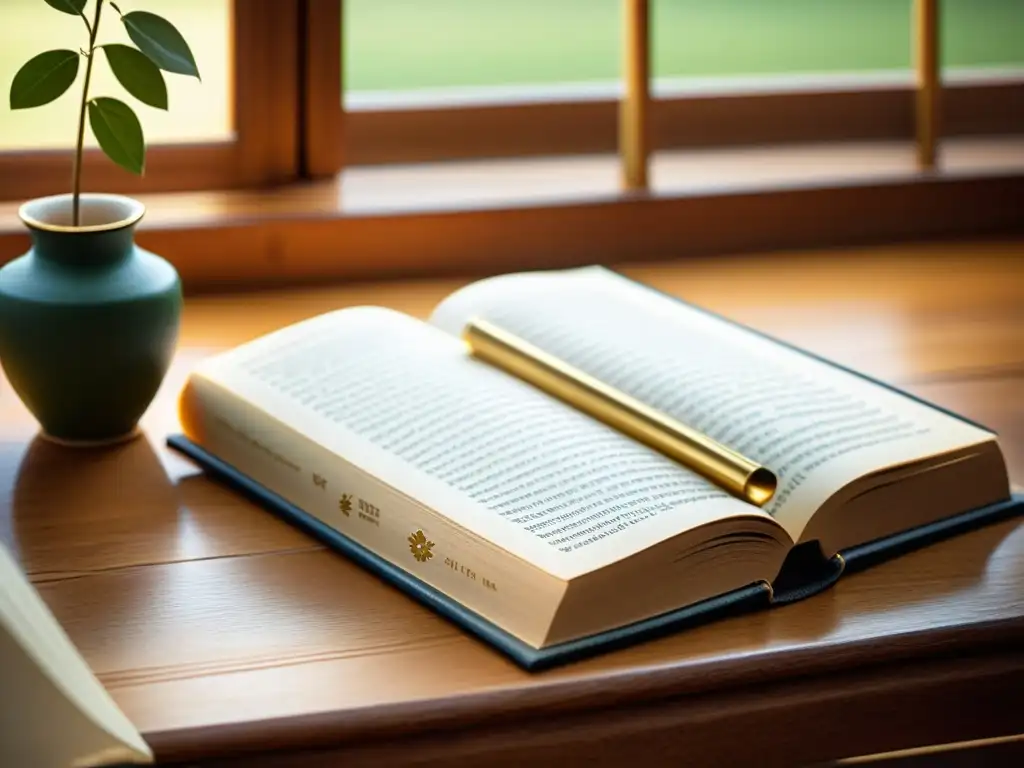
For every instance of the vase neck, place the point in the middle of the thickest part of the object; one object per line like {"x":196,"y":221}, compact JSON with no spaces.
{"x":84,"y":249}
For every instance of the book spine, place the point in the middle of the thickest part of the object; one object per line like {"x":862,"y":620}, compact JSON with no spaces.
{"x":362,"y":508}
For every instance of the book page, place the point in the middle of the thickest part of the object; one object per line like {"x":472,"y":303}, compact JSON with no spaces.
{"x":815,"y":426}
{"x":406,"y":403}
{"x":55,"y":712}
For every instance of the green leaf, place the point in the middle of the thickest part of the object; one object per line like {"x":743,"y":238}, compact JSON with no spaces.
{"x":119,"y":133}
{"x":43,"y":78}
{"x":74,"y":7}
{"x":158,"y":39}
{"x":138,"y":74}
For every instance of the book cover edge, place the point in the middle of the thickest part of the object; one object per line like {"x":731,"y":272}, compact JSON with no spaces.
{"x":863,"y":556}
{"x":806,"y":580}
{"x":807,"y":571}
{"x":746,"y":599}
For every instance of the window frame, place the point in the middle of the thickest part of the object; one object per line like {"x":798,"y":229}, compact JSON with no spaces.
{"x":798,"y":111}
{"x":285,"y":227}
{"x":322,"y":112}
{"x":265,"y":38}
{"x":755,"y":111}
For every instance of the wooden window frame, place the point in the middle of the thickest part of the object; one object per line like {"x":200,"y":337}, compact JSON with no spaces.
{"x":797,"y":112}
{"x":323,"y":117}
{"x":300,"y":219}
{"x":757,"y":111}
{"x":263,"y":151}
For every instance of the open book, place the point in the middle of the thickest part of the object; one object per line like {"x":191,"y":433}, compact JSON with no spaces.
{"x":541,"y":528}
{"x":55,"y":713}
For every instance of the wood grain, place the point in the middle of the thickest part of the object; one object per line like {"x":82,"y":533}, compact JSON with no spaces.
{"x":230,"y":639}
{"x":680,"y":731}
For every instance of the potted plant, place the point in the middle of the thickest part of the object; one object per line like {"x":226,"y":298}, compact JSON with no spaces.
{"x":88,"y":320}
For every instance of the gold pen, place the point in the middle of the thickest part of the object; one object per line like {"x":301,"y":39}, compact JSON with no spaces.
{"x":721,"y":465}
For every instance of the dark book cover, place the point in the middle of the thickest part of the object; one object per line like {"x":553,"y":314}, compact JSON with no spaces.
{"x":753,"y":597}
{"x":805,"y":573}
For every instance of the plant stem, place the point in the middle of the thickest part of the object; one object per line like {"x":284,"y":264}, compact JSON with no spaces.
{"x":76,"y":171}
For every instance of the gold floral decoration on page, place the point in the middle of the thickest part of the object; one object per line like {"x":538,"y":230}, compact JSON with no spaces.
{"x":420,"y":547}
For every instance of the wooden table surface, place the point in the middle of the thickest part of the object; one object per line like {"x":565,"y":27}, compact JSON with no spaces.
{"x":221,"y":631}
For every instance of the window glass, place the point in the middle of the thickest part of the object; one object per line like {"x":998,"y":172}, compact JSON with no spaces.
{"x":198,"y":111}
{"x":400,"y":45}
{"x":405,"y":45}
{"x":708,"y":38}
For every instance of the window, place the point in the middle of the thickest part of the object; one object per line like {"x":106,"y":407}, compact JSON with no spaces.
{"x":441,"y":79}
{"x":370,"y":137}
{"x":234,"y":129}
{"x":302,"y":87}
{"x":199,"y":111}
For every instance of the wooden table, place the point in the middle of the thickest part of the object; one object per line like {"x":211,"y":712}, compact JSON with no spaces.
{"x":222,"y":632}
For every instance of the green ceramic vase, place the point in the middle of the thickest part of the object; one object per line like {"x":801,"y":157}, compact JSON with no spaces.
{"x":88,"y":320}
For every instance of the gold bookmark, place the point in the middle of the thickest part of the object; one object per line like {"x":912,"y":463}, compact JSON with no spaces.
{"x":723,"y":466}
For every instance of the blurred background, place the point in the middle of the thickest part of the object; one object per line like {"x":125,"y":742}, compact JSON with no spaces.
{"x":341,"y":110}
{"x":441,"y":45}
